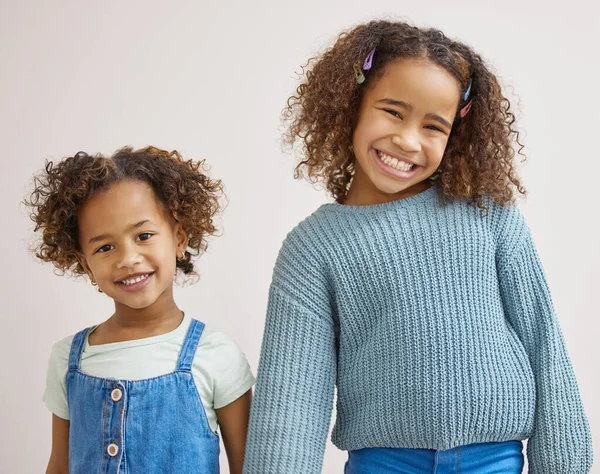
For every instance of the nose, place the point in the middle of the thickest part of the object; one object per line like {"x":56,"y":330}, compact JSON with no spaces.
{"x":407,"y":140}
{"x":128,"y":257}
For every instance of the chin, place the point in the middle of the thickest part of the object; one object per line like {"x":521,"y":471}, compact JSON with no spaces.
{"x":136,"y":303}
{"x":140,"y":305}
{"x":393,"y":188}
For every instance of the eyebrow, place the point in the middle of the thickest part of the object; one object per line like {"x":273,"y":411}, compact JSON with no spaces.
{"x":409,"y":107}
{"x":131,"y":227}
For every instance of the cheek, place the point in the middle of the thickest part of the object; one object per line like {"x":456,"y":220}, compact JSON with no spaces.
{"x":369,"y":125}
{"x":436,"y":148}
{"x":166,"y":256}
{"x":100,"y":267}
{"x":377,"y":125}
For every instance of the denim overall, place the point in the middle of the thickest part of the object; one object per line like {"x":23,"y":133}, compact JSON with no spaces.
{"x":155,"y":425}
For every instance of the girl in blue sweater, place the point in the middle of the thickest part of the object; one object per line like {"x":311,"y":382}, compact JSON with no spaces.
{"x":418,"y":293}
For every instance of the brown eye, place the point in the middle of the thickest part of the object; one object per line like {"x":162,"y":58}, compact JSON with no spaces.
{"x":393,"y":112}
{"x":144,"y":236}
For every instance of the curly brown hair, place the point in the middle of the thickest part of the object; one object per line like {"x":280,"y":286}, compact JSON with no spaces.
{"x":322,"y":114}
{"x":61,"y":188}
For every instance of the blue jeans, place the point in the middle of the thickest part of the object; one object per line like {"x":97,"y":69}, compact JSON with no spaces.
{"x":481,"y":458}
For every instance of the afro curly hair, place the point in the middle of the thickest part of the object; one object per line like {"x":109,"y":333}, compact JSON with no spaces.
{"x":61,"y":188}
{"x":322,"y":115}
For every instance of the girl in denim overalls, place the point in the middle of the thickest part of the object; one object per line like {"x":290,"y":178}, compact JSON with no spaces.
{"x":144,"y":391}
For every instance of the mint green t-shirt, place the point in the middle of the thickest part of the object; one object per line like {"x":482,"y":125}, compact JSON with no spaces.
{"x":220,"y":369}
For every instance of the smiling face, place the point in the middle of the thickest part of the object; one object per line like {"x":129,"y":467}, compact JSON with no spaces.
{"x":403,"y":126}
{"x":129,"y":244}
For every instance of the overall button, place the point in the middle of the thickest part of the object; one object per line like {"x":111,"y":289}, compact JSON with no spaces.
{"x":112,"y":450}
{"x":116,"y":395}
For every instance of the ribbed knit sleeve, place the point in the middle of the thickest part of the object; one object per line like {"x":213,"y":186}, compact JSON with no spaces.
{"x":560,"y":442}
{"x":293,"y":401}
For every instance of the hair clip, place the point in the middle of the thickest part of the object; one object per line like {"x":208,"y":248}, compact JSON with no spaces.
{"x":369,"y":60}
{"x":468,"y":92}
{"x":358,"y":71}
{"x":360,"y":77}
{"x":465,"y":110}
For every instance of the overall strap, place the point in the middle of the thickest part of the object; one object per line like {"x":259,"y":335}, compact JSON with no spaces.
{"x":77,"y":348}
{"x":188,"y":350}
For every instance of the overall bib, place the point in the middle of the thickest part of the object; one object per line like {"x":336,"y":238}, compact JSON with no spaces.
{"x":156,"y":425}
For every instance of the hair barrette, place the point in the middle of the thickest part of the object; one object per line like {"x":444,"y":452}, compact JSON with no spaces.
{"x":468,"y":91}
{"x":368,"y":63}
{"x":360,"y":77}
{"x":369,"y":60}
{"x":465,"y":110}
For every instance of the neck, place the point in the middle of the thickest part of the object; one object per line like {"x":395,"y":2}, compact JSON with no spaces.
{"x":160,"y":317}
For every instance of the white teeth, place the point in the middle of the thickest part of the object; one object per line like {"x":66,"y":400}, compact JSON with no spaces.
{"x":394,"y":162}
{"x":135,"y":280}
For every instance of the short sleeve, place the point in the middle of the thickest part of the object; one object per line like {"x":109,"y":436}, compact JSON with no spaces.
{"x":226,"y":368}
{"x":55,"y":395}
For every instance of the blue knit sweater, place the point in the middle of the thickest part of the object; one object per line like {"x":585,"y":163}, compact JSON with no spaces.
{"x":436,"y":326}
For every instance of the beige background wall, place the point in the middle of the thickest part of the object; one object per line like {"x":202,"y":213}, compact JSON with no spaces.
{"x":210,"y":79}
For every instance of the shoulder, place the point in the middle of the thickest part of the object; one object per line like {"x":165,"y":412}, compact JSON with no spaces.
{"x":503,"y":216}
{"x":217,"y":352}
{"x":305,"y":244}
{"x":302,"y":266}
{"x":308,"y":236}
{"x":59,"y":355}
{"x":498,"y":218}
{"x":509,"y":229}
{"x":506,"y":222}
{"x":215,"y":341}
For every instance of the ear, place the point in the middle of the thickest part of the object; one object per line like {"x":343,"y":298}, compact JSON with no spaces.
{"x":181,"y":237}
{"x":85,"y":265}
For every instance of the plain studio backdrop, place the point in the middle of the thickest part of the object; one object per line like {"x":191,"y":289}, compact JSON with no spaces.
{"x":210,"y":79}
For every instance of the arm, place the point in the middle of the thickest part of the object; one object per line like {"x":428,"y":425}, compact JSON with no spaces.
{"x":560,"y":443}
{"x":293,"y":399}
{"x":233,"y":421}
{"x":292,"y":407}
{"x":59,"y":457}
